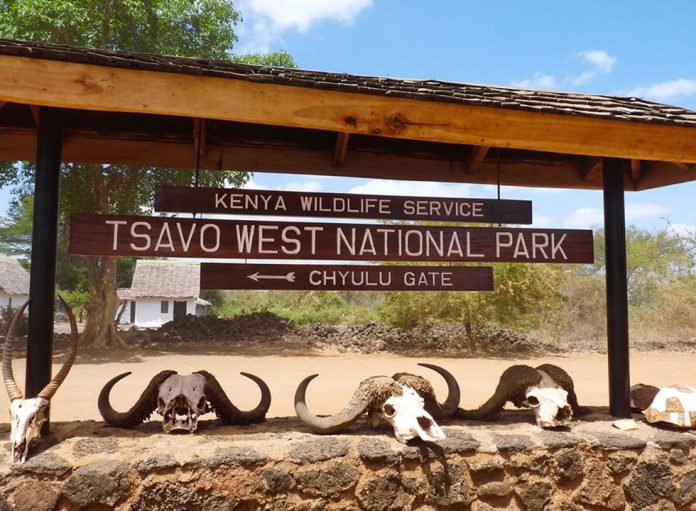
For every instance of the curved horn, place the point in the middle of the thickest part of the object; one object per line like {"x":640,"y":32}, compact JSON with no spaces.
{"x":226,"y":411}
{"x":50,"y":389}
{"x":448,"y":408}
{"x":334,"y":423}
{"x":140,"y":411}
{"x":7,"y":374}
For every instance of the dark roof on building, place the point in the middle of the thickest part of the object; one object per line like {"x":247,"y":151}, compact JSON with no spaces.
{"x":568,"y":103}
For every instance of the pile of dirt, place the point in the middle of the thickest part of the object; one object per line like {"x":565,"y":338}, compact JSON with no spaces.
{"x":267,"y":327}
{"x":258,"y":327}
{"x":441,"y":338}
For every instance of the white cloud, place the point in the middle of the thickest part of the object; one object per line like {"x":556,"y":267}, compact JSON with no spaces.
{"x":588,"y":217}
{"x":600,"y":62}
{"x":641,"y":211}
{"x":303,"y":186}
{"x":664,"y":91}
{"x":683,"y":230}
{"x":538,"y":81}
{"x":253,"y":185}
{"x":417,"y":188}
{"x":585,"y":217}
{"x":599,"y":59}
{"x":541,"y":221}
{"x":268,"y":19}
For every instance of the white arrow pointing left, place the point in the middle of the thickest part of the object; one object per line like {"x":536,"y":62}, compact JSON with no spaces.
{"x":290,"y":277}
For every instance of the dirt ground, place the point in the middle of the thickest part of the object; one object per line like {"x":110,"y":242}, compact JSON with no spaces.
{"x":339,"y":376}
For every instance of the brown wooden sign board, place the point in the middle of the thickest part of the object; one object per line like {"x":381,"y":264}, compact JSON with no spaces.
{"x":340,"y":205}
{"x":346,"y":277}
{"x":208,"y":238}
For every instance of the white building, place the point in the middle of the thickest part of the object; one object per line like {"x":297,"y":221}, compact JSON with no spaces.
{"x":162,"y":291}
{"x":14,"y":283}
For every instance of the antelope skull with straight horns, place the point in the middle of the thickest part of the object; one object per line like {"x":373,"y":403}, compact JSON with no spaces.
{"x":28,"y":415}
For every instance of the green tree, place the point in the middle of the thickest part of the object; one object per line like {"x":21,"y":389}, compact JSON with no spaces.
{"x":653,"y":258}
{"x":201,"y":28}
{"x":15,"y":228}
{"x":521,"y":291}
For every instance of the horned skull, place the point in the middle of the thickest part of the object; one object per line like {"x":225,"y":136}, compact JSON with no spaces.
{"x":674,"y":405}
{"x":549,"y":402}
{"x":181,"y":400}
{"x":404,"y":401}
{"x":27,"y":416}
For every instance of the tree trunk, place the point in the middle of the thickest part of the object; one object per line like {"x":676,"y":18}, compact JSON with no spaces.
{"x":470,"y":336}
{"x":100,"y":329}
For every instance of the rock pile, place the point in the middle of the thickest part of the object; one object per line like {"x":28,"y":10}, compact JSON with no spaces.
{"x":443,"y":338}
{"x":257,"y":326}
{"x":267,"y":327}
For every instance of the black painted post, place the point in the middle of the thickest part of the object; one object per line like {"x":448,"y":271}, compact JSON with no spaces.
{"x":44,"y":237}
{"x":617,"y":288}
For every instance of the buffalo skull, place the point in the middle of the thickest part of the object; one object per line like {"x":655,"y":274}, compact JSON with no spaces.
{"x":549,"y":401}
{"x":28,"y":415}
{"x":180,"y":400}
{"x":674,"y":405}
{"x":405,"y":401}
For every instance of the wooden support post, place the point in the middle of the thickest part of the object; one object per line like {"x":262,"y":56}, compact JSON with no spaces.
{"x":340,"y":149}
{"x":476,"y":156}
{"x":617,"y":288}
{"x":44,"y":237}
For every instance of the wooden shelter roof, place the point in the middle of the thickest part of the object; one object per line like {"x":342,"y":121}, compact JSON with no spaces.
{"x":153,"y":110}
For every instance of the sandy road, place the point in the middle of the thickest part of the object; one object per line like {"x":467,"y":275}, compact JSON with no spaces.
{"x":338,"y":378}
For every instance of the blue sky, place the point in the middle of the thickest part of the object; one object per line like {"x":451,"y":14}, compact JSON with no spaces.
{"x":641,"y":48}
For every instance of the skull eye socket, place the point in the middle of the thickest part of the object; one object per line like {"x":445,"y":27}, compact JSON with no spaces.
{"x":564,"y":413}
{"x":424,"y":422}
{"x":388,"y":410}
{"x":533,"y":401}
{"x":201,"y":403}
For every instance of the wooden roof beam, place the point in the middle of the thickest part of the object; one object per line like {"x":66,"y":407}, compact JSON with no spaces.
{"x":92,"y":87}
{"x":340,"y":149}
{"x":590,"y":168}
{"x":476,"y":155}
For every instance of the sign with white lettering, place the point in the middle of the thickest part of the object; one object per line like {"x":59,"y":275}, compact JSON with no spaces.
{"x":208,"y":238}
{"x":340,"y":205}
{"x":346,"y":277}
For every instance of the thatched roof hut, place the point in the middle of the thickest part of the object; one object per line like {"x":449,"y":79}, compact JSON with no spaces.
{"x":175,"y":280}
{"x":14,"y":279}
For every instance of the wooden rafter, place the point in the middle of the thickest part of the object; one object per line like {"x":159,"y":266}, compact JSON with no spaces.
{"x":590,"y":168}
{"x":200,"y":136}
{"x":476,"y":156}
{"x":635,"y":171}
{"x":340,"y":149}
{"x":35,"y":113}
{"x":53,"y":83}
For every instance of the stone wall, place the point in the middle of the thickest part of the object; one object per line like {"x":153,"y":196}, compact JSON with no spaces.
{"x":278,"y":466}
